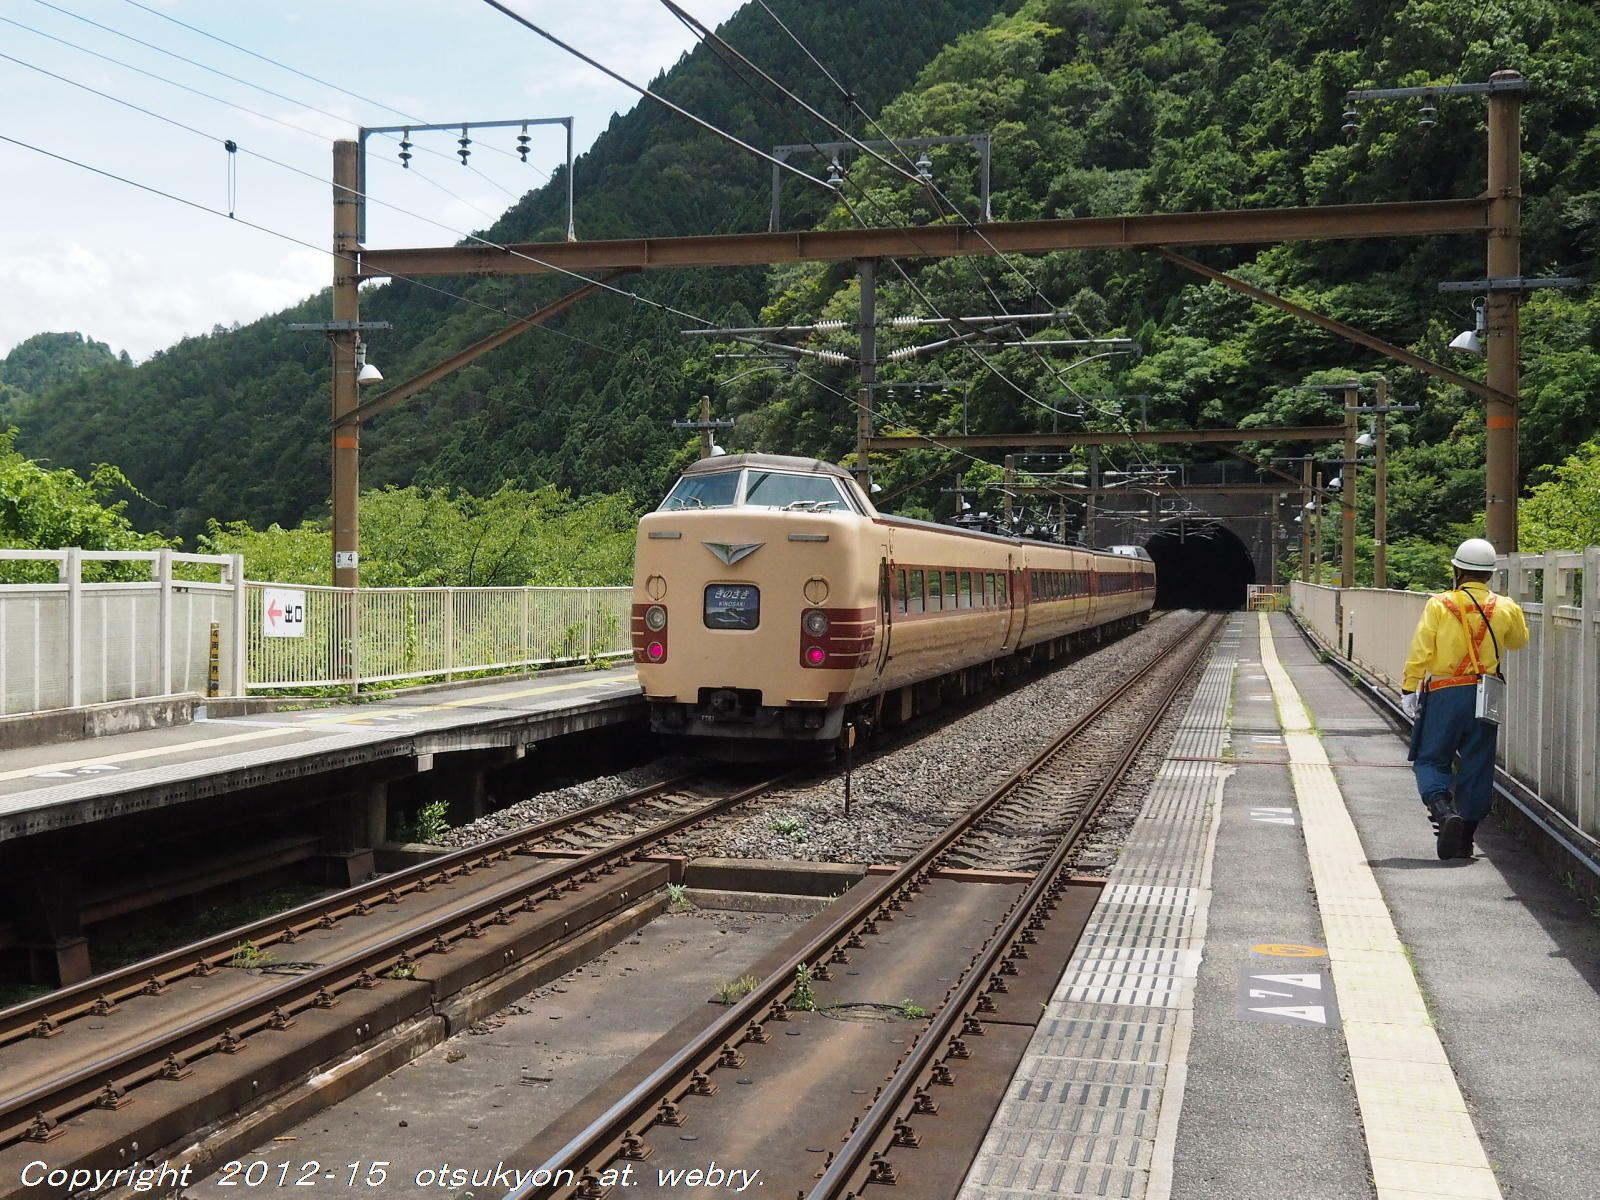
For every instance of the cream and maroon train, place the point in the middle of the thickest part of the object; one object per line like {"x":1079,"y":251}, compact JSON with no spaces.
{"x":773,"y":602}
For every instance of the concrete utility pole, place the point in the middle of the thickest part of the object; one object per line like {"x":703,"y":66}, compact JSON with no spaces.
{"x":346,"y":308}
{"x":867,"y":272}
{"x":1305,"y":525}
{"x":1502,"y":340}
{"x":1347,"y":494}
{"x":1380,"y":488}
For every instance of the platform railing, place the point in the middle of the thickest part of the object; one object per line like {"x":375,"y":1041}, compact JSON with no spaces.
{"x":352,"y":637}
{"x":84,"y":627}
{"x":1550,"y":739}
{"x":80,"y":627}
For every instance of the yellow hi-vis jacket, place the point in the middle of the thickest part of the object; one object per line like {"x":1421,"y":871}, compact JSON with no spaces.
{"x":1439,"y":647}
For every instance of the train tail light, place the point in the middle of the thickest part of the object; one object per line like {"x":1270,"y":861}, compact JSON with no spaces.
{"x":655,"y":651}
{"x":816,"y":655}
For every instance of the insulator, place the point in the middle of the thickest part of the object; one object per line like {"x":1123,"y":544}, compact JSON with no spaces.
{"x":522,"y":143}
{"x":1427,"y":115}
{"x":464,"y":142}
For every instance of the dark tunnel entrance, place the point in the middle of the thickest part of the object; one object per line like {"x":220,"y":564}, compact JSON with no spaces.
{"x":1200,"y":564}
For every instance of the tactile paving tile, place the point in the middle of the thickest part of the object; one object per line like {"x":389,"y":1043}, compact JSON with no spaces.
{"x":1081,"y":1114}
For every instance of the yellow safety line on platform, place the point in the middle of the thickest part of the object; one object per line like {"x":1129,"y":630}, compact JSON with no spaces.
{"x":1420,"y":1138}
{"x":271,"y":731}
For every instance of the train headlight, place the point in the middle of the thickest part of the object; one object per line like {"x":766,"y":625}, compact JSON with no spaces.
{"x":655,"y":617}
{"x":815,"y":622}
{"x":656,"y":651}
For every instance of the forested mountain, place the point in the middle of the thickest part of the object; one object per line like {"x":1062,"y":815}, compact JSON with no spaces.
{"x":1097,"y":107}
{"x":46,"y":360}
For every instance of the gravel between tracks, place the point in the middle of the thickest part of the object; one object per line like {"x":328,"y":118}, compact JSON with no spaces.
{"x":545,"y":805}
{"x":903,"y":795}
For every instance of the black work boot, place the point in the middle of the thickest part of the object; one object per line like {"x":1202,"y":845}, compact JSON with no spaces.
{"x":1452,"y":833}
{"x":1469,"y":828}
{"x":1437,"y":804}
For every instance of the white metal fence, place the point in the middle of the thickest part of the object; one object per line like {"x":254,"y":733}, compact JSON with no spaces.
{"x":1551,"y":736}
{"x":354,"y":636}
{"x":82,"y":627}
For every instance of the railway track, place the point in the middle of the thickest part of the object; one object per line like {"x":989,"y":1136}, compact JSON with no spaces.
{"x":887,"y":935}
{"x":93,"y":1049}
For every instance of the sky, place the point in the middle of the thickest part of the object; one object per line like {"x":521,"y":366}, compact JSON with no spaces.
{"x":81,"y":251}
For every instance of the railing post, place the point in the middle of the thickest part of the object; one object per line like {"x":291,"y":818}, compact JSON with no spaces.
{"x":1553,"y":596}
{"x":72,"y":576}
{"x":162,"y":570}
{"x":239,"y":667}
{"x":1588,"y":694}
{"x":588,"y":624}
{"x":526,"y":643}
{"x":449,"y":632}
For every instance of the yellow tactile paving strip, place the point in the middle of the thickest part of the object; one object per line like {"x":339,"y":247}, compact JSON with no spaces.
{"x":1420,"y":1138}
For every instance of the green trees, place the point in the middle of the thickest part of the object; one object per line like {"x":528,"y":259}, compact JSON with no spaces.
{"x":1563,"y":513}
{"x":44,"y":509}
{"x":411,"y":537}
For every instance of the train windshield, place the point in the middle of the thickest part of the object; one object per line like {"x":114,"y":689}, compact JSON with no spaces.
{"x":774,"y":489}
{"x":716,"y":490}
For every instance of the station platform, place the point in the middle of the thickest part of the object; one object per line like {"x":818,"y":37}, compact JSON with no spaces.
{"x":58,"y":786}
{"x":1283,"y":991}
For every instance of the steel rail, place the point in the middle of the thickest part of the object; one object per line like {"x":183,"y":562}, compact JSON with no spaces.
{"x":32,"y":1114}
{"x":653,"y":1100}
{"x":888,"y":1124}
{"x":96,"y":996}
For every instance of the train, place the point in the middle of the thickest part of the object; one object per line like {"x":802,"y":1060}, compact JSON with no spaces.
{"x":775,"y":608}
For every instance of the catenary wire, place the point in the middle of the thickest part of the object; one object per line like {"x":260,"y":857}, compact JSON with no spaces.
{"x":289,"y":237}
{"x":209,"y":69}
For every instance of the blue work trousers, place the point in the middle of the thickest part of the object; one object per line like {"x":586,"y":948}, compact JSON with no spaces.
{"x":1447,"y":729}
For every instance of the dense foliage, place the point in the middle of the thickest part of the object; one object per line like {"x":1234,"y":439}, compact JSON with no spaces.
{"x":412,"y":537}
{"x":1097,"y":107}
{"x":44,"y":509}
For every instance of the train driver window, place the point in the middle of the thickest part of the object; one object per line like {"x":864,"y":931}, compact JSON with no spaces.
{"x":949,"y":589}
{"x":715,"y":490}
{"x":914,"y":596}
{"x":900,"y":591}
{"x":776,"y":489}
{"x":935,"y":591}
{"x":966,"y":589}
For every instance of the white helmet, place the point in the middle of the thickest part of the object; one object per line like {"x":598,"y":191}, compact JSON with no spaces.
{"x":1474,"y":554}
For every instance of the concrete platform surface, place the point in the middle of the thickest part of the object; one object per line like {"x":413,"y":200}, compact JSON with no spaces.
{"x":55,"y":786}
{"x":1284,"y":992}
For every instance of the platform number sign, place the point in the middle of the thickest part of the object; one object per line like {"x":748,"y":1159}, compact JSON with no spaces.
{"x":283,"y":612}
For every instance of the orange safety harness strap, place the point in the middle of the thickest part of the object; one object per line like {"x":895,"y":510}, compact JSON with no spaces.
{"x":1473,"y":643}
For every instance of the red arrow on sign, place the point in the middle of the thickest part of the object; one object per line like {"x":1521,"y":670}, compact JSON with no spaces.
{"x":274,"y":612}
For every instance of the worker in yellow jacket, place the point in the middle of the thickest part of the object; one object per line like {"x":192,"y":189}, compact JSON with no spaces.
{"x":1461,"y":636}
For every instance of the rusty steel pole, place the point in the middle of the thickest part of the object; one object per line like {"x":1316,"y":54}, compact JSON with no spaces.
{"x":1502,"y":334}
{"x":1347,"y":493}
{"x":346,"y":308}
{"x":867,"y":272}
{"x":1380,"y":488}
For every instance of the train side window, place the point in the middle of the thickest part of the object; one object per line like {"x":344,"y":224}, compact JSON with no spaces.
{"x":935,"y":591}
{"x":1002,"y":582}
{"x":966,"y":589}
{"x":949,"y":589}
{"x":900,"y":591}
{"x":988,"y":589}
{"x":914,"y":596}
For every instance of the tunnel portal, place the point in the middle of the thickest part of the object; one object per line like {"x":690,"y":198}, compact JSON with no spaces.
{"x":1200,"y":564}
